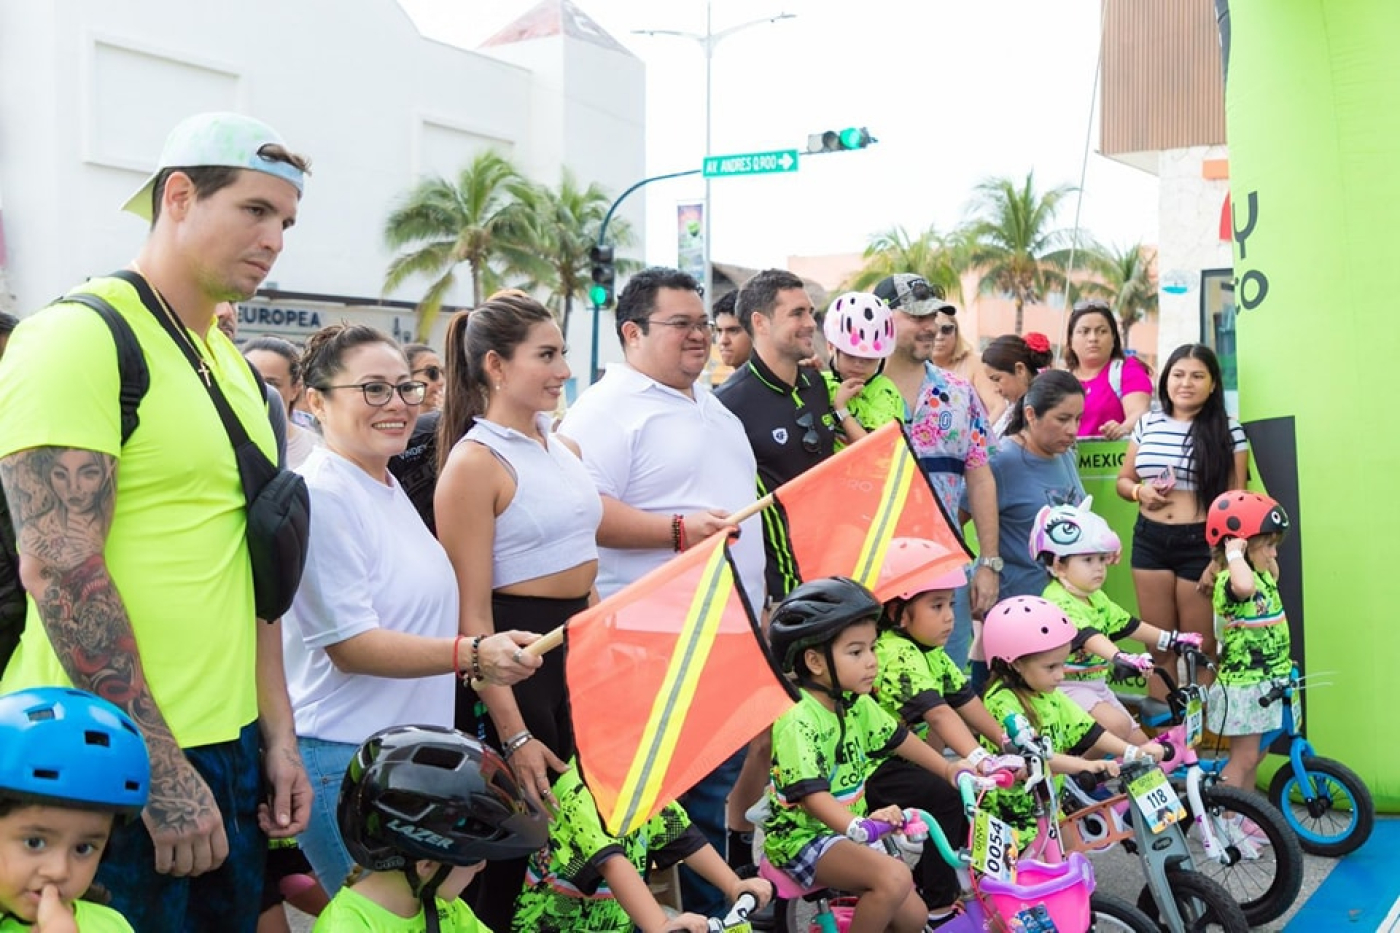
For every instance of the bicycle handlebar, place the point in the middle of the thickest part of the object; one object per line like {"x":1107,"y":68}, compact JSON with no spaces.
{"x":737,"y":916}
{"x":1276,"y":693}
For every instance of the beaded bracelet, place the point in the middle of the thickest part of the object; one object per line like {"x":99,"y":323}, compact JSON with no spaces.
{"x":476,"y":658}
{"x":677,"y":532}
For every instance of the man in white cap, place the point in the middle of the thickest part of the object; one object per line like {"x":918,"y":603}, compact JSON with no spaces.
{"x":134,"y":552}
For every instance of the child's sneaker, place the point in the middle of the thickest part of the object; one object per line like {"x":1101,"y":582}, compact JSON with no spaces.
{"x":1244,"y":835}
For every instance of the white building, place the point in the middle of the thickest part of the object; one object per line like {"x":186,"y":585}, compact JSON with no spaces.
{"x":89,"y":89}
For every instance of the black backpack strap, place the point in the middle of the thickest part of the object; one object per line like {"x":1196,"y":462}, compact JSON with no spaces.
{"x":131,"y":361}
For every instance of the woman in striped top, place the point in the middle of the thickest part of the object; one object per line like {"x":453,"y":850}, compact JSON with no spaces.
{"x":1178,"y":461}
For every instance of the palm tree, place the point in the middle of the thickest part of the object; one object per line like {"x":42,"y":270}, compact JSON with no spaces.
{"x":478,"y":218}
{"x":1126,"y":280}
{"x":563,"y":225}
{"x":1016,"y":246}
{"x":939,"y":259}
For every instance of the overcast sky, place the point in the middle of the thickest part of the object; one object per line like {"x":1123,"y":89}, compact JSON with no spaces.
{"x":954,"y":91}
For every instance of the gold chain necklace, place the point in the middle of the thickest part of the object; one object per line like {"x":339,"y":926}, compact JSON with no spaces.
{"x":179,"y":327}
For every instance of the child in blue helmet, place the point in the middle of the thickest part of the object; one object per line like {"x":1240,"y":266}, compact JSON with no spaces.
{"x":70,"y":765}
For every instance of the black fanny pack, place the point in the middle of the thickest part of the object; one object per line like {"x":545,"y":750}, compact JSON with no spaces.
{"x":279,"y":506}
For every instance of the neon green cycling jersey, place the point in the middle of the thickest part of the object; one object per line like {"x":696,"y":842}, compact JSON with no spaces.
{"x":351,"y":912}
{"x":914,"y":679}
{"x":1102,"y":615}
{"x":806,"y":761}
{"x":875,"y":406}
{"x":564,"y":888}
{"x":1069,"y":728}
{"x":1254,"y":645}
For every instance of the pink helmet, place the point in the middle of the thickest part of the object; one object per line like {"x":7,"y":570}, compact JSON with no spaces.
{"x":861,"y":325}
{"x":1065,"y":530}
{"x":1024,"y":625}
{"x":904,"y":557}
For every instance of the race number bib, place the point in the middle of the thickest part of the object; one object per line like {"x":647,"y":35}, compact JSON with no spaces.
{"x":1295,"y":706}
{"x":993,"y":847}
{"x":1195,"y":721}
{"x":1156,"y":799}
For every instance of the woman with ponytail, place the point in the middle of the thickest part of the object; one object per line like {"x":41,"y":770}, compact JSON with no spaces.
{"x":518,"y":515}
{"x":1010,"y":363}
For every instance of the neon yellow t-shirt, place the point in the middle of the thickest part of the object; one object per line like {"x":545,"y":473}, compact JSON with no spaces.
{"x":350,"y":911}
{"x":90,"y":918}
{"x":176,"y":550}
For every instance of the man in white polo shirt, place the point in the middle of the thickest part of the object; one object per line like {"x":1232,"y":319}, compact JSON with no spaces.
{"x":658,"y":450}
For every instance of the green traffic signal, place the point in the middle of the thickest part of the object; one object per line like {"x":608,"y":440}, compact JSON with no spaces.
{"x":599,"y":296}
{"x":854,"y":138}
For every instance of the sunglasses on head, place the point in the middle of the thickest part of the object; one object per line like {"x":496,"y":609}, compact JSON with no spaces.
{"x":919,"y":290}
{"x":811,"y":440}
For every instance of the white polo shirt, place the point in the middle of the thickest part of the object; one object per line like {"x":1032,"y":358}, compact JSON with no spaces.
{"x":656,"y":449}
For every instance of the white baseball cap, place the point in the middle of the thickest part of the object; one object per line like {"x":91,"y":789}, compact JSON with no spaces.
{"x":206,"y":140}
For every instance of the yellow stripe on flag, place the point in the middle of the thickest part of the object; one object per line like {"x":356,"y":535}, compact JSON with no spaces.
{"x":898,"y":481}
{"x":693,"y":644}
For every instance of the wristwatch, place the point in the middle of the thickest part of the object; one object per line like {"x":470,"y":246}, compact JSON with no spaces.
{"x":995,"y":563}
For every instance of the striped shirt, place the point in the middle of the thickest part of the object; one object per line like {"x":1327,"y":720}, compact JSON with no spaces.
{"x":1164,"y":444}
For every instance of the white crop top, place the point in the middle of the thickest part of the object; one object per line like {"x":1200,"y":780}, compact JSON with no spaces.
{"x":551,"y":523}
{"x":1164,"y":444}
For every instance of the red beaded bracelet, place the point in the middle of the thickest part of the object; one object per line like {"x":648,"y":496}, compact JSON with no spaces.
{"x":678,"y":532}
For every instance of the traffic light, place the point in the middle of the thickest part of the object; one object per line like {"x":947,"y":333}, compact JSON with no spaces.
{"x":604,"y":276}
{"x":852,"y":137}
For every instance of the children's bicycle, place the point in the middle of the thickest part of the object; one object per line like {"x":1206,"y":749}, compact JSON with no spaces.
{"x":1262,"y":869}
{"x":1144,"y":818}
{"x":1325,"y":802}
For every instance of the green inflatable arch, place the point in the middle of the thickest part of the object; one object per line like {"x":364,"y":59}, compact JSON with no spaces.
{"x":1313,"y":116}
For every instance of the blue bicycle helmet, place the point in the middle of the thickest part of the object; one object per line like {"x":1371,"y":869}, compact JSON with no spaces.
{"x":65,"y":747}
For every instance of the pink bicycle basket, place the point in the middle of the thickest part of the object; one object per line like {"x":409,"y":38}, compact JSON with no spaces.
{"x":1064,"y":889}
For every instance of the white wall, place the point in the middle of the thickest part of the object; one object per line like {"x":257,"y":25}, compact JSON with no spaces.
{"x":1188,"y":229}
{"x":89,"y":89}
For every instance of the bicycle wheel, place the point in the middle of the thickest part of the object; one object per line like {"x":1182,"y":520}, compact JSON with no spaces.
{"x":1263,"y":879}
{"x":1202,"y":903}
{"x":1340,"y":817}
{"x":1114,"y":915}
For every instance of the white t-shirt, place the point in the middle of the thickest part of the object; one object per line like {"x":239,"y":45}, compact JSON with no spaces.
{"x":659,"y":450}
{"x":371,"y":564}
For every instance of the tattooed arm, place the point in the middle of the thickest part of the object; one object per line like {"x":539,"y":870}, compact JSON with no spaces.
{"x":61,"y":500}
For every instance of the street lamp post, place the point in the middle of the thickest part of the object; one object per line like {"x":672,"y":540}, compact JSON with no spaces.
{"x":707,"y":42}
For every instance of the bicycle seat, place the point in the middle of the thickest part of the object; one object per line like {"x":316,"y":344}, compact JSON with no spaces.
{"x":1153,"y":711}
{"x":783,"y":884}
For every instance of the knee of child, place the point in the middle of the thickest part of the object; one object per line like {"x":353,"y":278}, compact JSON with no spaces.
{"x":893,"y":880}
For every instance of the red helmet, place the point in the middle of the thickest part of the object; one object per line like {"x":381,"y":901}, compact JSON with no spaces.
{"x":1025,"y":625}
{"x":1237,"y":514}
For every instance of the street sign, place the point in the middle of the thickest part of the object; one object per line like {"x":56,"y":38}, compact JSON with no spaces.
{"x":751,"y":163}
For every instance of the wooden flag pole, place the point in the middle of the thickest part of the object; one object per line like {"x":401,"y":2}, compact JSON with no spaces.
{"x":553,"y":639}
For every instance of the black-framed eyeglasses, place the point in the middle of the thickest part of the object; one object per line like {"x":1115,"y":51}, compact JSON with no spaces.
{"x":704,"y":325}
{"x":811,"y":440}
{"x":379,"y":394}
{"x":433,"y":373}
{"x":919,"y":290}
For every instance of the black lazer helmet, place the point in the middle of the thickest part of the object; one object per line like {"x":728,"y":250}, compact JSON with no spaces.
{"x":812,"y":615}
{"x":427,"y":792}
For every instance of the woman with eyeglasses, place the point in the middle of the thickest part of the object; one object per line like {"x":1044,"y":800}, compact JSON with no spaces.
{"x":518,"y":514}
{"x":372,"y":638}
{"x":425,"y":366}
{"x":1117,"y":388}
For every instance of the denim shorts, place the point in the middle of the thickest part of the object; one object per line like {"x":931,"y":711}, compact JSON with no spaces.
{"x":1182,"y":549}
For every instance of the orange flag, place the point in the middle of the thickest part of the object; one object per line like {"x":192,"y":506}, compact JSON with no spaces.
{"x":841,"y":515}
{"x":667,"y":678}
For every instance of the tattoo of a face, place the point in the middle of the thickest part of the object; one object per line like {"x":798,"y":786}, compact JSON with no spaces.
{"x":62,"y":500}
